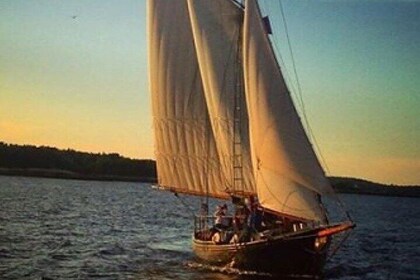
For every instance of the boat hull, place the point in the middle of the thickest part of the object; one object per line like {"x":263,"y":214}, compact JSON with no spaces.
{"x":290,"y":255}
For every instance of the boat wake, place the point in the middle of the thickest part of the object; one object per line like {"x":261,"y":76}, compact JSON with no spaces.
{"x":227,"y":269}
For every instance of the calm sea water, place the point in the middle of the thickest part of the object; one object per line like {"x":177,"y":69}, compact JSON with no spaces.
{"x":68,"y":229}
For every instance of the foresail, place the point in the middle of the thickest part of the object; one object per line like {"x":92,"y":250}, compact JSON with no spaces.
{"x":217,"y":26}
{"x":186,"y":155}
{"x":288,"y":175}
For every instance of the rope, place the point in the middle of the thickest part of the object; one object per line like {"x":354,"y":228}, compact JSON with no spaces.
{"x":302,"y":104}
{"x":335,"y":250}
{"x":185,"y":205}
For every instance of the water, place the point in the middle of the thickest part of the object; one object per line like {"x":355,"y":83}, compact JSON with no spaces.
{"x":68,"y":229}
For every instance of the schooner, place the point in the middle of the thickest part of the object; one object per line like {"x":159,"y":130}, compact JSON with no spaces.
{"x":226,"y":127}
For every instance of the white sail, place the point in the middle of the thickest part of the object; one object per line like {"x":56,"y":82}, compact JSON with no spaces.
{"x":217,"y":26}
{"x":194,"y":77}
{"x":186,"y":155}
{"x":288,"y":175}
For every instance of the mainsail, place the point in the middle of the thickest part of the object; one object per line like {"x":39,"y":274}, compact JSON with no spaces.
{"x":217,"y":27}
{"x":199,"y":51}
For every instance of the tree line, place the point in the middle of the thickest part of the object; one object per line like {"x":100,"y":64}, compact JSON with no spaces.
{"x":29,"y":160}
{"x":91,"y":164}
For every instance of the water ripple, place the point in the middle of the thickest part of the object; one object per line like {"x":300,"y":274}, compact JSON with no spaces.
{"x":69,"y":229}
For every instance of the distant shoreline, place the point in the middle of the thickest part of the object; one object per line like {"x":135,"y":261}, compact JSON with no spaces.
{"x":49,"y":162}
{"x":62,"y":174}
{"x":340,"y":184}
{"x":359,"y":186}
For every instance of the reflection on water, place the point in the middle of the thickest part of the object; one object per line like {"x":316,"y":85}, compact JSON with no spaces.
{"x":58,"y":229}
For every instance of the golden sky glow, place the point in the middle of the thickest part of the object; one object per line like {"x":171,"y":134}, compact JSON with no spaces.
{"x":81,"y":82}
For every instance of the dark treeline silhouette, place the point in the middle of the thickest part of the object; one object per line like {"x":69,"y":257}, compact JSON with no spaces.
{"x":52,"y":162}
{"x":28,"y":160}
{"x":360,"y":186}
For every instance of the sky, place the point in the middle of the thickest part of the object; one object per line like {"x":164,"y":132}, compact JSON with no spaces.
{"x":73,"y":74}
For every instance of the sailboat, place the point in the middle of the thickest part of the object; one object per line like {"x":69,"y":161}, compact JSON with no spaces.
{"x":226,"y":127}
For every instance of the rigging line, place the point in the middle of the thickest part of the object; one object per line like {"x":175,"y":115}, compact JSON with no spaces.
{"x":285,"y":72}
{"x":293,"y":91}
{"x":338,"y":245}
{"x":184,"y":204}
{"x":286,"y":29}
{"x":300,"y":102}
{"x":341,"y":204}
{"x":286,"y":75}
{"x":311,"y":134}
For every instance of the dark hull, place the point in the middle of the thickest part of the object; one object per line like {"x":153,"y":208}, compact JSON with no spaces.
{"x":294,"y":254}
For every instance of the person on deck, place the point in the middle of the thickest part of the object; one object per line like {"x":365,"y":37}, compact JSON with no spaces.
{"x":221,"y":224}
{"x":220,"y":214}
{"x":255,"y":214}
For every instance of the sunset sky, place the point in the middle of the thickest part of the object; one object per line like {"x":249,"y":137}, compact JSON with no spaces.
{"x":73,"y":74}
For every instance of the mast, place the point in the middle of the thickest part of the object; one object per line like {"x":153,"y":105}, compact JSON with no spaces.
{"x":237,"y":178}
